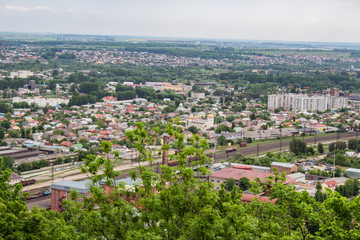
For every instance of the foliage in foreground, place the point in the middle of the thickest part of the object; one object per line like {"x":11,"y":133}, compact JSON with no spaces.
{"x":187,"y":207}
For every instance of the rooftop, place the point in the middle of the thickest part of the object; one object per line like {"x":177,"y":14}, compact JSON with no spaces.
{"x":297,"y":175}
{"x":239,"y":173}
{"x":353,"y":170}
{"x":280,"y":164}
{"x":250,"y":197}
{"x":66,"y":185}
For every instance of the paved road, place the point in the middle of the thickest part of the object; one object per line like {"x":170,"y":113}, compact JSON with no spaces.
{"x":275,"y":146}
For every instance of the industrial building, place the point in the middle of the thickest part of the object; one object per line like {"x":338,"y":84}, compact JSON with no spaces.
{"x":237,"y":172}
{"x":289,"y":168}
{"x":61,"y":190}
{"x":353,"y":172}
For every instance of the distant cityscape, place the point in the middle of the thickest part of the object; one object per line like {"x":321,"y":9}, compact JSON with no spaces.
{"x":101,"y":118}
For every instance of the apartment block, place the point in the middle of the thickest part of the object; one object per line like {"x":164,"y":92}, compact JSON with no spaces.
{"x":304,"y":102}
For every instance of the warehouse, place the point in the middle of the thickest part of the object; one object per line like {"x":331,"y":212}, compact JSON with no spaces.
{"x":353,"y":172}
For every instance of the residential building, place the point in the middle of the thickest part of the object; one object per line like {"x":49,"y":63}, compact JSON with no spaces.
{"x":198,"y":95}
{"x":330,"y":185}
{"x":21,"y":74}
{"x":334,"y":92}
{"x":304,"y":102}
{"x":14,"y":179}
{"x":201,"y":123}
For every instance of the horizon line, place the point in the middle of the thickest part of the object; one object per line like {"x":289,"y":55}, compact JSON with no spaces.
{"x":183,"y":38}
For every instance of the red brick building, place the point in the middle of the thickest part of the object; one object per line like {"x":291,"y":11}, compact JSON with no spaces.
{"x":62,"y":189}
{"x":289,"y":168}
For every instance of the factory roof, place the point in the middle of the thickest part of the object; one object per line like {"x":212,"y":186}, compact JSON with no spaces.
{"x":240,"y":173}
{"x":66,"y":185}
{"x":280,"y":164}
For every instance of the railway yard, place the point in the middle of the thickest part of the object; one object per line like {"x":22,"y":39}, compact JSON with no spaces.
{"x":72,"y":172}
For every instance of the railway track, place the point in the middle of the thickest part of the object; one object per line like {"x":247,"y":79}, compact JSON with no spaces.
{"x":249,"y":150}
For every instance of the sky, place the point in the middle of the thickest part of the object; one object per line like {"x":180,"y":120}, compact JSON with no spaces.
{"x":283,"y":20}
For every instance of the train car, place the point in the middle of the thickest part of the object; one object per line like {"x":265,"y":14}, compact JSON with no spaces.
{"x":231,"y":149}
{"x":243,"y":144}
{"x":47,"y":192}
{"x":28,"y":182}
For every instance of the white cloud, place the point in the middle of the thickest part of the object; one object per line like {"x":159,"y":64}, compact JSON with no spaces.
{"x":314,"y":20}
{"x":16,"y":8}
{"x":41,"y":8}
{"x":36,"y":8}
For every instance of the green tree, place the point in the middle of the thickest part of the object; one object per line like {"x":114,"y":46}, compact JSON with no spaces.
{"x":229,"y":184}
{"x":252,"y":116}
{"x":244,"y":184}
{"x":193,"y":129}
{"x":101,"y":124}
{"x":179,"y":200}
{"x":297,"y":146}
{"x":5,"y":124}
{"x":319,"y":195}
{"x":221,"y":140}
{"x":8,"y":162}
{"x":352,"y":144}
{"x":2,"y":134}
{"x":223,"y":128}
{"x":332,"y":147}
{"x":320,"y":148}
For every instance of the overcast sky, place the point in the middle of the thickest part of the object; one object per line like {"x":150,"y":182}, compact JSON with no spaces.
{"x":288,"y":20}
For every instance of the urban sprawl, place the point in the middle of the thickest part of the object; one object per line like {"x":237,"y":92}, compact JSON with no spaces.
{"x":261,"y":111}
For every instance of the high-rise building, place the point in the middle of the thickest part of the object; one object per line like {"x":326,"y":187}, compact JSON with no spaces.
{"x":31,"y":84}
{"x":21,"y":74}
{"x":304,"y":103}
{"x":335,"y":92}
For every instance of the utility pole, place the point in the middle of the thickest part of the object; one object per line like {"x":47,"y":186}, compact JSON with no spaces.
{"x":334,"y":166}
{"x":315,"y":137}
{"x":303,"y":131}
{"x":357,"y":133}
{"x":258,"y":145}
{"x":52,"y":171}
{"x":280,"y":139}
{"x":212,"y":162}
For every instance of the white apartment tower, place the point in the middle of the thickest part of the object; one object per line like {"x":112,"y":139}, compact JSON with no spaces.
{"x":304,"y":102}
